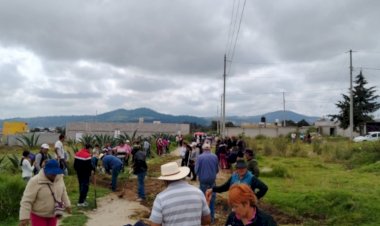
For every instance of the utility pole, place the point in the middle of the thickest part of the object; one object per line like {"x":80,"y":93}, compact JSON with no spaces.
{"x":223,"y":126}
{"x":283,"y":103}
{"x":351,"y":100}
{"x":217,"y":119}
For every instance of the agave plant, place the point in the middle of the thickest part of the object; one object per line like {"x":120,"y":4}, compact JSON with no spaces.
{"x":1,"y":161}
{"x":29,"y":142}
{"x":15,"y":161}
{"x":72,"y":143}
{"x":103,"y":139}
{"x":86,"y":139}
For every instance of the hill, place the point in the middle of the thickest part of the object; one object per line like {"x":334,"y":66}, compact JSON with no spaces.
{"x":123,"y":115}
{"x":272,"y":117}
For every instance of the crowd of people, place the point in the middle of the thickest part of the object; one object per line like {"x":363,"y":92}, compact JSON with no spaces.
{"x":179,"y":204}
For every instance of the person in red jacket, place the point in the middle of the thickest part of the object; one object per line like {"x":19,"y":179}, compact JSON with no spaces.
{"x":83,"y":166}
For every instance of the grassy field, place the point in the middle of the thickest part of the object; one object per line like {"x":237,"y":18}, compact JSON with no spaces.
{"x":322,"y":193}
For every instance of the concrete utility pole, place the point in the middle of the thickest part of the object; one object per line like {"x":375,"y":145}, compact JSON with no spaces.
{"x":351,"y":100}
{"x":283,"y":102}
{"x":217,"y":119}
{"x":223,"y":126}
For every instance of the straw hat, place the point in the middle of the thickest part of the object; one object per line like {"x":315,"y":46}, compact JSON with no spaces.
{"x":170,"y":171}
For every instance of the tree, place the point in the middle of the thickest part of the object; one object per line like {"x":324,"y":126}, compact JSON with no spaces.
{"x":364,"y":104}
{"x":303,"y":122}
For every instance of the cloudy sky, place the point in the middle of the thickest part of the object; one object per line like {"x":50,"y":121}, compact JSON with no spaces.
{"x":85,"y":57}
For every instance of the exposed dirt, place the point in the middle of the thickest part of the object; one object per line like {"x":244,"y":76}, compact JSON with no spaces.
{"x":121,"y":207}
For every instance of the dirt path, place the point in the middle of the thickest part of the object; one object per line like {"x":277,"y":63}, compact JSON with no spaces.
{"x":114,"y":211}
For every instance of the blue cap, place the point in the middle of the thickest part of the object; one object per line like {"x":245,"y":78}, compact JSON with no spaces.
{"x":52,"y":167}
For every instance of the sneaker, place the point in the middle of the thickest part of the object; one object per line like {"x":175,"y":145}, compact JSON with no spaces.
{"x":83,"y":204}
{"x":140,"y":200}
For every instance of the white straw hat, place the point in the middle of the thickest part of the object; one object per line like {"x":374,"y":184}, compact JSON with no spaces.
{"x":171,"y":171}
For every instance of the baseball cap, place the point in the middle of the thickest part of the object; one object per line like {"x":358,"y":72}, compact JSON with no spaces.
{"x":52,"y":167}
{"x":45,"y":146}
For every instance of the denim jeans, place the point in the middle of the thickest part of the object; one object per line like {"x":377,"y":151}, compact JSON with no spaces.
{"x":115,"y":174}
{"x":140,"y":185}
{"x":84,"y":182}
{"x":204,"y":187}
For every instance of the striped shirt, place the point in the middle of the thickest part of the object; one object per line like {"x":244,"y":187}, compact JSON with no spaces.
{"x":179,"y":204}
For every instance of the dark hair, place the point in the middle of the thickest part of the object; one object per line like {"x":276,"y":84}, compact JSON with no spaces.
{"x":25,"y":154}
{"x":88,"y":146}
{"x":61,"y":136}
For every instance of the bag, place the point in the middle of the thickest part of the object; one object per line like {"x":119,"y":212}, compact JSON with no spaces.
{"x":59,"y":207}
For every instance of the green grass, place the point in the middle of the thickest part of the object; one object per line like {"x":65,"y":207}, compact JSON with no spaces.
{"x":324,"y":193}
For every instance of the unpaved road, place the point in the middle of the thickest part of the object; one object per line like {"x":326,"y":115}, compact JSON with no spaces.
{"x":114,"y":211}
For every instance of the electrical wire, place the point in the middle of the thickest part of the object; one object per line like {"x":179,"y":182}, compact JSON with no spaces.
{"x":237,"y":35}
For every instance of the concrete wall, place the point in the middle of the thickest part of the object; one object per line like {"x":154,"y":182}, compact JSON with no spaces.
{"x":49,"y":138}
{"x":268,"y":132}
{"x":143,"y":129}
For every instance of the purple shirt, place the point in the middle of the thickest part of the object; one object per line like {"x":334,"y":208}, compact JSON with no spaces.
{"x":206,"y":167}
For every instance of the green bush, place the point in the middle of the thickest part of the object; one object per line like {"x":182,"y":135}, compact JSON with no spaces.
{"x":11,"y":190}
{"x":260,"y":137}
{"x":365,"y":153}
{"x":277,"y":171}
{"x":371,"y":168}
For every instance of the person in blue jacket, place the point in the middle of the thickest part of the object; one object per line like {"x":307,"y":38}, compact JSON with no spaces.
{"x":242,"y":176}
{"x":113,"y":166}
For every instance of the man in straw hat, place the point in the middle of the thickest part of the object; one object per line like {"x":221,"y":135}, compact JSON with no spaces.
{"x":180,"y":203}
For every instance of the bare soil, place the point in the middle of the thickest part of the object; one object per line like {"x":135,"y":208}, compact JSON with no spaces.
{"x":121,"y":207}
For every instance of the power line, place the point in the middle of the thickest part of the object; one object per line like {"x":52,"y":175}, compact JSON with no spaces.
{"x":370,"y":68}
{"x":230,"y":27}
{"x":237,"y":34}
{"x":233,"y":21}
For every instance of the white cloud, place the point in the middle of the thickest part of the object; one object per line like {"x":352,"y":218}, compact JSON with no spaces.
{"x":81,"y":57}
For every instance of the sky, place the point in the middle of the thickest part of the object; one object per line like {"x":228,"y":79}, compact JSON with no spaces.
{"x":79,"y":57}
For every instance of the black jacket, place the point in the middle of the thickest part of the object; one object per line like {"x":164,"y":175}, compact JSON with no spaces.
{"x":261,"y":219}
{"x":139,"y":162}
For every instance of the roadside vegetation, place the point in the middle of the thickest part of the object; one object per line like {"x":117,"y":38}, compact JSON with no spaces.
{"x":330,"y":181}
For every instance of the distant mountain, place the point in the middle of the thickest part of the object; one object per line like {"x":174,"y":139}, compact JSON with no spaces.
{"x":119,"y":115}
{"x":271,"y":117}
{"x":122,"y":115}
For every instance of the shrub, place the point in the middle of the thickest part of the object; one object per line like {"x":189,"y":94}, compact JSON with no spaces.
{"x":317,"y":147}
{"x":277,"y":171}
{"x":295,"y":149}
{"x":260,"y":137}
{"x":268,"y":149}
{"x":11,"y":190}
{"x":281,"y":145}
{"x":371,"y":168}
{"x":365,"y":153}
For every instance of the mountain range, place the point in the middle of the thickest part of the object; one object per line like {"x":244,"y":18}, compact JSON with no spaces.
{"x":149,"y":115}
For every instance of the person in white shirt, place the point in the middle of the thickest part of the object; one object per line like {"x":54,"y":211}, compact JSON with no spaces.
{"x":26,"y":166}
{"x":60,"y":152}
